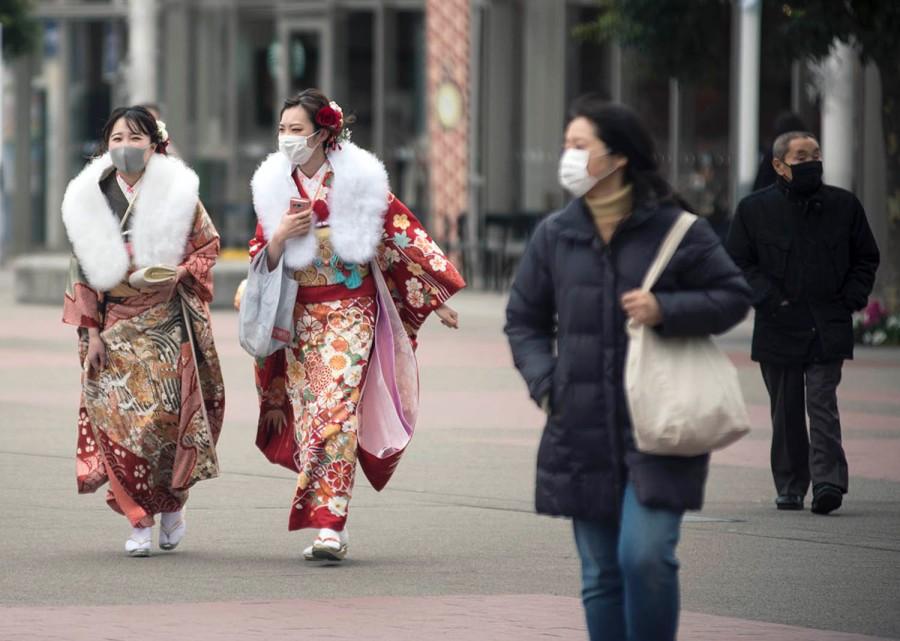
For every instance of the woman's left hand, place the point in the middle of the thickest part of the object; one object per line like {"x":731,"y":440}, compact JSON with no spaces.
{"x":642,"y":307}
{"x":448,"y":316}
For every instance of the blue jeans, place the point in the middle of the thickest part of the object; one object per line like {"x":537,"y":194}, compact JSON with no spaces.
{"x":629,"y":573}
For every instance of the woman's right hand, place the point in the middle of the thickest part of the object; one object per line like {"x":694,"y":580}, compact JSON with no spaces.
{"x":96,"y":354}
{"x":292,"y":225}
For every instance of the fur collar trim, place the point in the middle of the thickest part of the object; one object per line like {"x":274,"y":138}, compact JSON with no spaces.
{"x":357,"y":202}
{"x":161,"y":219}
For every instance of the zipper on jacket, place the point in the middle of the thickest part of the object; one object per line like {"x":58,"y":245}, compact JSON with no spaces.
{"x":615,"y":428}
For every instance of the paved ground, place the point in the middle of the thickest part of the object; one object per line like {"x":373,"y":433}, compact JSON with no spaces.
{"x":451,"y":549}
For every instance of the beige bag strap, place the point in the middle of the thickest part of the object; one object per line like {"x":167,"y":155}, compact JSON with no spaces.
{"x":667,"y":249}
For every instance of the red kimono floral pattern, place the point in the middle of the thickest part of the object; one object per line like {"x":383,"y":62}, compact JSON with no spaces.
{"x":313,"y":390}
{"x":144,"y":425}
{"x":324,"y":377}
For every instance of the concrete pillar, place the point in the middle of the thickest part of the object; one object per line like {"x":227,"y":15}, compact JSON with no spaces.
{"x":58,"y":133}
{"x":21,"y":235}
{"x":175,"y":90}
{"x":211,"y":127}
{"x":476,"y":169}
{"x":745,"y":99}
{"x":500,"y":138}
{"x":143,"y":51}
{"x":543,"y":102}
{"x":838,"y":76}
{"x":4,"y":227}
{"x":236,"y":186}
{"x":380,"y":77}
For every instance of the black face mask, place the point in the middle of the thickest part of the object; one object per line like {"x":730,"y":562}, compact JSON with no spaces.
{"x":806,"y":177}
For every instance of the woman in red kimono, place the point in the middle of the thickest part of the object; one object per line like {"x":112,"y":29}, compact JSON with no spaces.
{"x":344,"y":222}
{"x":152,"y":397}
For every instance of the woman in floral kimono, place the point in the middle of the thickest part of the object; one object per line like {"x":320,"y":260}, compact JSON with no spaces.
{"x":152,"y":394}
{"x":324,"y":207}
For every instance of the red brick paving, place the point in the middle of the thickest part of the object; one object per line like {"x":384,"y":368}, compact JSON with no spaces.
{"x":449,"y":618}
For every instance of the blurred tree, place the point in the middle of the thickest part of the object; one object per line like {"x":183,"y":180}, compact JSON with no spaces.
{"x":20,"y":29}
{"x":680,"y":37}
{"x":676,"y":38}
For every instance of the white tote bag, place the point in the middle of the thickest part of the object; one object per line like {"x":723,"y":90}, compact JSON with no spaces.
{"x":266,"y":318}
{"x":683,"y":393}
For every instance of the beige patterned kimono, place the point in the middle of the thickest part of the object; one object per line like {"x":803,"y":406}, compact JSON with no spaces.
{"x":148,"y":422}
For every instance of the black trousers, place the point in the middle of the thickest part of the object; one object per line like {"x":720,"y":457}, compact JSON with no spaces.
{"x":798,"y":458}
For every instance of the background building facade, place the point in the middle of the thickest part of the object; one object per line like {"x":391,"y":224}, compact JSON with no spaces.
{"x":219,"y":69}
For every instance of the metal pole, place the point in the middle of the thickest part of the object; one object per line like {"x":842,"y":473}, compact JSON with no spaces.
{"x":674,"y":130}
{"x":615,"y":64}
{"x":796,"y":88}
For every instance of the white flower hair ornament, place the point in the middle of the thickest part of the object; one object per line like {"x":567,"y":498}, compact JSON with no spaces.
{"x":340,"y":112}
{"x":162,"y":131}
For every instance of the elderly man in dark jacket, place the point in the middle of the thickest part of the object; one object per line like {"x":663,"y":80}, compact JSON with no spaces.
{"x":808,"y":253}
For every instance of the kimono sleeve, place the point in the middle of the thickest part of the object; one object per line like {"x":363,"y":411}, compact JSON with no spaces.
{"x":420,"y":276}
{"x":258,"y":242}
{"x":202,"y":252}
{"x":81,"y":306}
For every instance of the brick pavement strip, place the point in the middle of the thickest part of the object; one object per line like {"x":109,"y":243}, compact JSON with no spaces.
{"x":449,"y":618}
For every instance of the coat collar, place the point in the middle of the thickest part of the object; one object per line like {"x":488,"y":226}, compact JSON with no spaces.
{"x":812,"y":202}
{"x":357,"y":202}
{"x":578,"y":224}
{"x":161,"y":219}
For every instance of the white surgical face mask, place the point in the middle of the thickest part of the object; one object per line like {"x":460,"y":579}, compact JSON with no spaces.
{"x":297,"y":148}
{"x":573,"y":172}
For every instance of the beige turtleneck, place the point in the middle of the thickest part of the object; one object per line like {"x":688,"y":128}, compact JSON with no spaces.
{"x":609,"y":210}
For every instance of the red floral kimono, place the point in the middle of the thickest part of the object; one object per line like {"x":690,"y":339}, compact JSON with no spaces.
{"x":148,"y":421}
{"x":309,"y":394}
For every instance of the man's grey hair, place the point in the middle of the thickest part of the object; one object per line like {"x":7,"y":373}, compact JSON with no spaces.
{"x":783,"y":142}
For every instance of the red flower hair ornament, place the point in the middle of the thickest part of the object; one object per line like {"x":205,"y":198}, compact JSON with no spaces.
{"x":331,"y":117}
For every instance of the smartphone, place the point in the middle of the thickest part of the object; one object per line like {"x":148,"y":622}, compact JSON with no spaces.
{"x":299,"y":204}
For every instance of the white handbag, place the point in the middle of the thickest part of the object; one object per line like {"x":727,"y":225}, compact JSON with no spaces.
{"x":266,"y":317}
{"x":683,"y":393}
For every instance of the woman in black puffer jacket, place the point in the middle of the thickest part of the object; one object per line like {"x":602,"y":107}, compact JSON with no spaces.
{"x":577,"y":285}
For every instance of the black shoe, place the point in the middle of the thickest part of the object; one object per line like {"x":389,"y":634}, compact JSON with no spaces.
{"x":826,"y":498}
{"x":789,"y":502}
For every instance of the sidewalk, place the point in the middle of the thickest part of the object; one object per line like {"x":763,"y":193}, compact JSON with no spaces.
{"x":452,"y":548}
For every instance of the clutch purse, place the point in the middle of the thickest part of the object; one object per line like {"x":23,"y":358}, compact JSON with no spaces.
{"x":150,"y":276}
